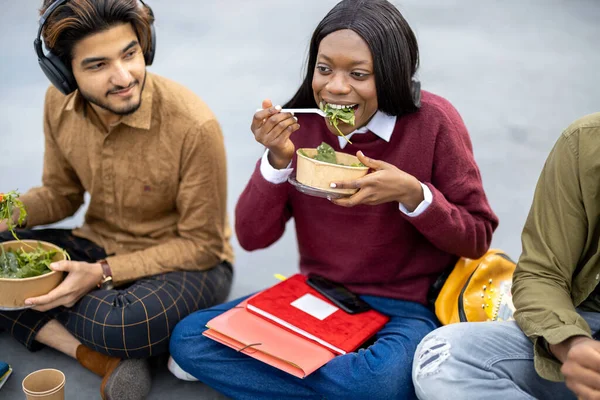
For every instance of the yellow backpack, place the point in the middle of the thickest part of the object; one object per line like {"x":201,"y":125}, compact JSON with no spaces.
{"x":477,"y":290}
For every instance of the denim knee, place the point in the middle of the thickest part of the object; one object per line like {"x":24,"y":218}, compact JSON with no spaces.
{"x":179,"y":343}
{"x":187,"y":339}
{"x":431,"y":370}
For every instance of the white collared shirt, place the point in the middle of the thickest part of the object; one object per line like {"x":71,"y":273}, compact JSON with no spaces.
{"x":381,"y":125}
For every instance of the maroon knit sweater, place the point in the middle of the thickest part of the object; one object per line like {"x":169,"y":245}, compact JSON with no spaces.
{"x":378,"y":250}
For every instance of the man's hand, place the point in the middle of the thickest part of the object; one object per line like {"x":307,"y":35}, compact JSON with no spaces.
{"x":4,"y":223}
{"x":581,"y":366}
{"x":386,"y":184}
{"x":81,"y":279}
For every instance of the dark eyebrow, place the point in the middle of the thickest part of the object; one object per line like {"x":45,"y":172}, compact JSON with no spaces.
{"x":361,"y":62}
{"x":91,"y":60}
{"x":129,"y":46}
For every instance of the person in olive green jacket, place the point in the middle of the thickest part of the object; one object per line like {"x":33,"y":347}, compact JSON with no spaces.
{"x":550,"y":351}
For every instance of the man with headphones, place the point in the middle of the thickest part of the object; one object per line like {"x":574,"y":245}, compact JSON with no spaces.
{"x":155,"y":243}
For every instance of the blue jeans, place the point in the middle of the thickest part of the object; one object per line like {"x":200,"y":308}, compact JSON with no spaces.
{"x":381,"y":371}
{"x":484,"y":360}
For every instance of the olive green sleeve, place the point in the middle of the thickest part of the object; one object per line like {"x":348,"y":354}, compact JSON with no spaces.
{"x":553,"y":240}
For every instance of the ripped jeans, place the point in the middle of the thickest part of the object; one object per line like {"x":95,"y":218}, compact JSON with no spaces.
{"x":483,"y":360}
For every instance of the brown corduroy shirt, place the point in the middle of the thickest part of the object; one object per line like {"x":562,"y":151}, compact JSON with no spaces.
{"x":157,"y":180}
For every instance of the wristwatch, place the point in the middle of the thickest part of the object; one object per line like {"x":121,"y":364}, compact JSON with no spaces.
{"x":107,"y":281}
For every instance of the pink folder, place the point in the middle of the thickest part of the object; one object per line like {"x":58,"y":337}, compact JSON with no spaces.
{"x":267,"y":342}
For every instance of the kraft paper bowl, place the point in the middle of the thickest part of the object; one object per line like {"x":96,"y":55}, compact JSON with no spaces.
{"x":319,"y":174}
{"x":13,"y":292}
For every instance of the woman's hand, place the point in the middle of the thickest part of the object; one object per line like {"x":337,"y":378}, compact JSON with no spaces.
{"x":386,"y":184}
{"x":272,"y":129}
{"x":81,"y":279}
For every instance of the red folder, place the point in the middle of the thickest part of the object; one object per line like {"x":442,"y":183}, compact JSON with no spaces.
{"x":334,"y":329}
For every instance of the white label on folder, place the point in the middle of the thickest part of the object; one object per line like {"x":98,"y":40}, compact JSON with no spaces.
{"x":314,"y":306}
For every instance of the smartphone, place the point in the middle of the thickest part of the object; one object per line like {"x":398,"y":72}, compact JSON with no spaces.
{"x":338,"y":295}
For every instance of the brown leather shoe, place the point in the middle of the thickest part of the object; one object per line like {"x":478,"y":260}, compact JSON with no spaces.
{"x":121,"y":379}
{"x":98,"y":363}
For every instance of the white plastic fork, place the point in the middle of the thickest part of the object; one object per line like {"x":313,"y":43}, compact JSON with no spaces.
{"x":301,"y":110}
{"x":307,"y":110}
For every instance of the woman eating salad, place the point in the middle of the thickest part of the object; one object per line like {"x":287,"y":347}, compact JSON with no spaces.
{"x":420,"y":209}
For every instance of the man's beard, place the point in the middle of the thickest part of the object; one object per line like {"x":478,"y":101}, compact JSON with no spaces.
{"x":117,"y":111}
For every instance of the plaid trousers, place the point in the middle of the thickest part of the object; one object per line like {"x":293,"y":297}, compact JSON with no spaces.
{"x":133,"y":321}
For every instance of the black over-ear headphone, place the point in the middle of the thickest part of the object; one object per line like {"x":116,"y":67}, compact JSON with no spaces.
{"x":57,"y":72}
{"x":416,"y":92}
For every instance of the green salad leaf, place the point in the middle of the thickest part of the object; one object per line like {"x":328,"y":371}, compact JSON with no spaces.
{"x":8,"y":203}
{"x":335,"y":115}
{"x":17,"y":264}
{"x":326,"y":153}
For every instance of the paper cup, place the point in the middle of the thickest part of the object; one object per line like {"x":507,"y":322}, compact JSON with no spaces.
{"x":45,"y":384}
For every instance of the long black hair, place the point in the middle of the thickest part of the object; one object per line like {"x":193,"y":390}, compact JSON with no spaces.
{"x":393,"y":46}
